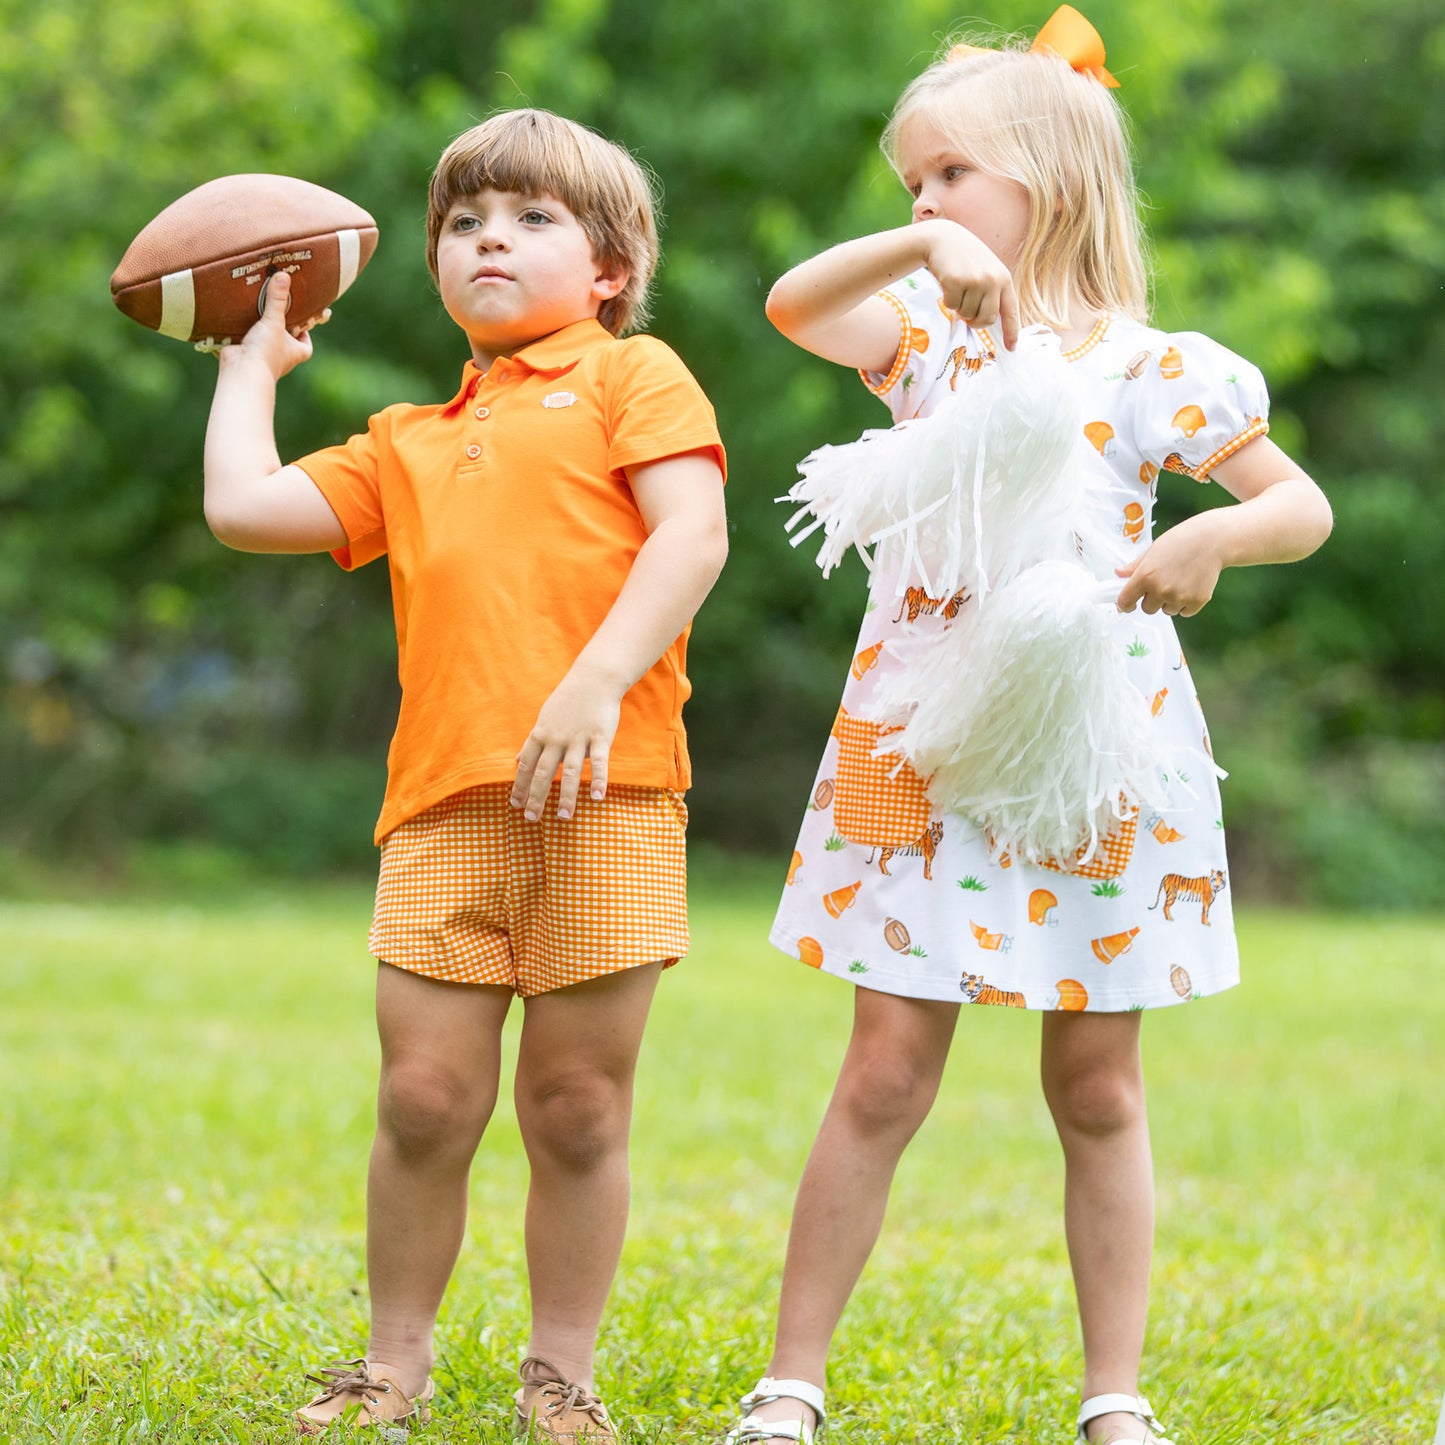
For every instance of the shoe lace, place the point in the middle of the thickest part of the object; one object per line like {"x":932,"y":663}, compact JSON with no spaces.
{"x":562,"y":1395}
{"x":353,"y":1377}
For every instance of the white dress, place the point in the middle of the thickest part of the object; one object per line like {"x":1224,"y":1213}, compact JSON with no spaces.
{"x":887,"y":891}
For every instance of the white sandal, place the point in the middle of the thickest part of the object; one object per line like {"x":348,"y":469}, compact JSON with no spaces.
{"x":1136,"y":1406}
{"x":752,"y":1431}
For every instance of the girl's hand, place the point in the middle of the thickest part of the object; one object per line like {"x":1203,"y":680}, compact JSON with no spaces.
{"x":976,"y":284}
{"x":1177,"y":574}
{"x":270,"y":342}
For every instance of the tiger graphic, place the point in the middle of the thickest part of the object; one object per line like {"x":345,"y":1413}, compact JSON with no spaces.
{"x":961,"y":362}
{"x":1173,"y":886}
{"x":975,"y":990}
{"x":925,"y":848}
{"x":917,"y":603}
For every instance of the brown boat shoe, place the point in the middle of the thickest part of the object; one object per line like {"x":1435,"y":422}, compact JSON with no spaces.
{"x":557,"y":1411}
{"x":363,"y":1394}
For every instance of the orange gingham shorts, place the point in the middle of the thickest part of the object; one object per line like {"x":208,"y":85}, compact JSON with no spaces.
{"x":471,"y":892}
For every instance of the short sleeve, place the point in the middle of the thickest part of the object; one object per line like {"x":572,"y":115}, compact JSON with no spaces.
{"x":1198,"y":405}
{"x":655,"y":408}
{"x":348,"y":476}
{"x":930,"y":338}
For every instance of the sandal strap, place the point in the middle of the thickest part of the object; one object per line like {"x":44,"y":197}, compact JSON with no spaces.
{"x":752,"y":1431}
{"x":768,"y":1389}
{"x":1135,"y":1405}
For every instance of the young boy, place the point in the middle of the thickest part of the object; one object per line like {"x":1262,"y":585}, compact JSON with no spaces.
{"x":550,"y":532}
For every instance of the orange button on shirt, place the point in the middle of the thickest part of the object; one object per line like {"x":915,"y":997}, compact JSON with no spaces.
{"x":510,"y":528}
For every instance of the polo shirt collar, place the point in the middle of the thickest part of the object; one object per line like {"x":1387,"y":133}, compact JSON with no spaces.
{"x":550,"y":356}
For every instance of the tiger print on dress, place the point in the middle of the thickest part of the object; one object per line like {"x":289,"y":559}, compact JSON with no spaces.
{"x":917,"y":603}
{"x":924,"y":848}
{"x":1173,"y":886}
{"x":975,"y":990}
{"x":961,"y":361}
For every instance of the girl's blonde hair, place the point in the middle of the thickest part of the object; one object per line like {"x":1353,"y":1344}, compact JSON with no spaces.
{"x":539,"y":153}
{"x":1028,"y":117}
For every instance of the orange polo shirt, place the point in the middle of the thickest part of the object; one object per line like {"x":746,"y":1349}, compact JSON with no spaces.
{"x":509,"y":527}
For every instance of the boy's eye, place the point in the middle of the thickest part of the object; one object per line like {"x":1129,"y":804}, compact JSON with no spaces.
{"x":535,"y":218}
{"x":952,"y":173}
{"x":463,"y":223}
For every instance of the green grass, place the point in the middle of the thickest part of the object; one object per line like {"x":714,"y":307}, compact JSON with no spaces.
{"x":185,"y":1112}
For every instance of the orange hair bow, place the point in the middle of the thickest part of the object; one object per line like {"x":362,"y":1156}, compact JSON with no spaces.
{"x":1066,"y":34}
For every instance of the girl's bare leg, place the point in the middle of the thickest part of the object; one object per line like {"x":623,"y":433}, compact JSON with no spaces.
{"x":1094,"y":1084}
{"x":886,"y":1086}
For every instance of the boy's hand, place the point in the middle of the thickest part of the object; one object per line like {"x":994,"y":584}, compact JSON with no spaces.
{"x":976,"y":284}
{"x":269,"y":341}
{"x":577,"y":722}
{"x":1177,"y":574}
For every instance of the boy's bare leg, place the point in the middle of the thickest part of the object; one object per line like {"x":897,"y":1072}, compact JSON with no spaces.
{"x":575,"y":1068}
{"x":886,"y":1086}
{"x":1094,"y":1083}
{"x":440,"y":1061}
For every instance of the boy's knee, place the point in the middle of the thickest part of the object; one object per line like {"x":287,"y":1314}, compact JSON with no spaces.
{"x":577,"y":1120}
{"x":427,"y":1110}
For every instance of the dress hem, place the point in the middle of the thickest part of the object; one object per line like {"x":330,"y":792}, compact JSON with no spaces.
{"x":907,"y":986}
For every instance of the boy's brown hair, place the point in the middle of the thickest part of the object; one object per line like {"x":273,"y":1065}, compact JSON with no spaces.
{"x":539,"y":153}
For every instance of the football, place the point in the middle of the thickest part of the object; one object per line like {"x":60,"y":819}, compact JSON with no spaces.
{"x":198,"y":272}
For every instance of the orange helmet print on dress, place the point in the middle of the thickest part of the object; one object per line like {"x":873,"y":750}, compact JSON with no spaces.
{"x":1189,"y":420}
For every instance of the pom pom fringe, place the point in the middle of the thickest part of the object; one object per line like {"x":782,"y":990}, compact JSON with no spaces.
{"x":1020,"y":714}
{"x":966,"y":497}
{"x":1021,"y":717}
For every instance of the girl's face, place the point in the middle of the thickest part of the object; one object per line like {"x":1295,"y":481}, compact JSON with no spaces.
{"x":944,"y":183}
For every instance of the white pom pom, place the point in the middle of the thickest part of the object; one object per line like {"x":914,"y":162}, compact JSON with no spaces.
{"x":1020,"y":713}
{"x":1022,"y":717}
{"x":963,"y":498}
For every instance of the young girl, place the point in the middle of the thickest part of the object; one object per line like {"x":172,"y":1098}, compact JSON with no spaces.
{"x":1024,"y":212}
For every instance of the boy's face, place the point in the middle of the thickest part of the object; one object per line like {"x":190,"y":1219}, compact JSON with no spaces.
{"x":513,"y":268}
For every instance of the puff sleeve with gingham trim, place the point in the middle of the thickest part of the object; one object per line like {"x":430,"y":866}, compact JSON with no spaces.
{"x":1197,"y":405}
{"x":925,"y":330}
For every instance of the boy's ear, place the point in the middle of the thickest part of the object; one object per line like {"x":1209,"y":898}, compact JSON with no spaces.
{"x":607,"y":286}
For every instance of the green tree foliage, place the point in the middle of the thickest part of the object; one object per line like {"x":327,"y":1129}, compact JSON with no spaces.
{"x":139,"y":683}
{"x":1314,"y":232}
{"x":157,"y":687}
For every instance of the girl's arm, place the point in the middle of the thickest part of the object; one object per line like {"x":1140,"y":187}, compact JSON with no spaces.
{"x":1281,"y":516}
{"x":828,"y":305}
{"x":253,"y":503}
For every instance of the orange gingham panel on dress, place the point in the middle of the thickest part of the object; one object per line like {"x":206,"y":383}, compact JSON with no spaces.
{"x":470,"y":892}
{"x":877,"y":801}
{"x":1113,"y":855}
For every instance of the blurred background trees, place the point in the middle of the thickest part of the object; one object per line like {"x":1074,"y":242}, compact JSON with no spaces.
{"x":162,"y":697}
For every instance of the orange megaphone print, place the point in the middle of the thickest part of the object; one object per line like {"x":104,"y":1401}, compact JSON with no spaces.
{"x":984,"y":937}
{"x":1107,"y":949}
{"x":866,"y":659}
